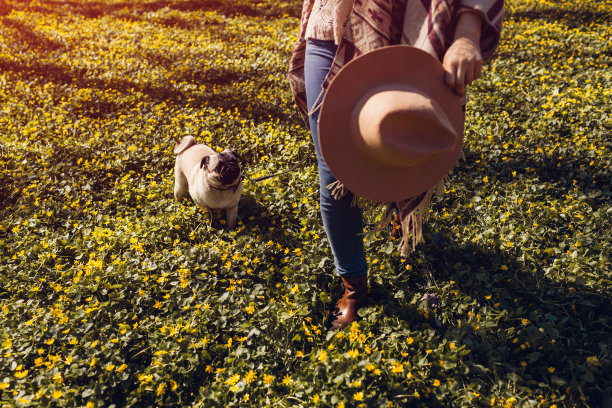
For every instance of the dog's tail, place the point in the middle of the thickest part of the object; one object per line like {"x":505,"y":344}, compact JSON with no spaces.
{"x":184,"y":144}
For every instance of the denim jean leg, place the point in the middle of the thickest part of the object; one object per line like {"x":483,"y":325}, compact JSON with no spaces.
{"x":343,"y":222}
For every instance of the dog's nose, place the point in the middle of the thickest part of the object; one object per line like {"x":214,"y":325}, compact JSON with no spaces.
{"x":229,"y":172}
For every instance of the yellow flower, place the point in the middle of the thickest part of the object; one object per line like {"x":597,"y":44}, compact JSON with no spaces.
{"x":436,"y":382}
{"x":268,"y":379}
{"x":315,"y":399}
{"x":21,"y":374}
{"x":358,"y":396}
{"x":409,"y":340}
{"x":322,"y":355}
{"x":161,"y":389}
{"x":510,"y":402}
{"x":4,"y":385}
{"x":250,"y":376}
{"x":110,"y":367}
{"x":56,"y":394}
{"x":121,"y":368}
{"x":354,"y":353}
{"x":397,"y":367}
{"x":233,"y":379}
{"x":452,"y":345}
{"x":551,"y":369}
{"x":287,"y":380}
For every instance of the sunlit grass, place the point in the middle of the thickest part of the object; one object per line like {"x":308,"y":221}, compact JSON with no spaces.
{"x":111,"y":293}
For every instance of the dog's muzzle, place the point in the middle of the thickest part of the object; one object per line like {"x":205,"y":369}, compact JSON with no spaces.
{"x":228,"y":172}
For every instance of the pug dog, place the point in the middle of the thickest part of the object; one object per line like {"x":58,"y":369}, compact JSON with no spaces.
{"x":214,"y":180}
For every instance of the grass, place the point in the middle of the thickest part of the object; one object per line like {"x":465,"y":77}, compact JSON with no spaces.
{"x":113,"y":294}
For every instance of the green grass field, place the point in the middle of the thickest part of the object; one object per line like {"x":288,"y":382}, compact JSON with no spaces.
{"x":112,"y":294}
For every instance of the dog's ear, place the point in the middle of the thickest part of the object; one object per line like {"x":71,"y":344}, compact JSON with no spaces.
{"x":204,"y":162}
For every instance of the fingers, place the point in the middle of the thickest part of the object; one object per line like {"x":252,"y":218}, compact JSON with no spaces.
{"x":463,"y":64}
{"x":450,"y":78}
{"x":461,"y":74}
{"x":455,"y":77}
{"x":460,"y":79}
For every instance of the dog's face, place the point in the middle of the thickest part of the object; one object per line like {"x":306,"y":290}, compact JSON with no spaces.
{"x":223,"y":168}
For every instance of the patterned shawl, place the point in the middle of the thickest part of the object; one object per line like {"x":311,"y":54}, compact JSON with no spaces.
{"x":425,"y":24}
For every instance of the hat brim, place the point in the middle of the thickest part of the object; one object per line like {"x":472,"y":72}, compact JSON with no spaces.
{"x":360,"y":173}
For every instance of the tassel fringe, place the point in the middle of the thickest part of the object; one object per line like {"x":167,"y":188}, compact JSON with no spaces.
{"x":412,"y":213}
{"x":337,"y":189}
{"x":412,"y":224}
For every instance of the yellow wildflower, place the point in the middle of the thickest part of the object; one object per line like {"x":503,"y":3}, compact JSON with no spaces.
{"x":287,"y":380}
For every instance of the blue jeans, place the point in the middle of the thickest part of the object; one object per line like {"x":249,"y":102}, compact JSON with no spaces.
{"x":343,"y":222}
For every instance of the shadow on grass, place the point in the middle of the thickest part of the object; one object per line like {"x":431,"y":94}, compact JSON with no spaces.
{"x":134,"y":10}
{"x":565,"y":174}
{"x":25,"y":37}
{"x":226,"y":100}
{"x":538,"y":322}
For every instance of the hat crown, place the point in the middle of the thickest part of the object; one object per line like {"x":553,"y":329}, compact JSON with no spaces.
{"x":402,"y":126}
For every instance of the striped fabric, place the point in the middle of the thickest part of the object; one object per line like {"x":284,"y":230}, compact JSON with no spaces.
{"x":425,"y":24}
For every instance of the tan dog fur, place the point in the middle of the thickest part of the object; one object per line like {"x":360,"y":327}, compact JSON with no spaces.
{"x":199,"y":171}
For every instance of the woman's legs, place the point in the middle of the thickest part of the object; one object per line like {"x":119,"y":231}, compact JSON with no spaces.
{"x":342,"y":222}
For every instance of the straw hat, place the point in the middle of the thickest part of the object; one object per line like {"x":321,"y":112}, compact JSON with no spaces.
{"x":389,"y":126}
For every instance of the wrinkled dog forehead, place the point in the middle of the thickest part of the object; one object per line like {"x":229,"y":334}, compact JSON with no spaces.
{"x":230,"y":155}
{"x":214,"y":160}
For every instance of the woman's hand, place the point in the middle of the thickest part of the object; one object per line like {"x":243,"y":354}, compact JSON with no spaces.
{"x":463,"y":60}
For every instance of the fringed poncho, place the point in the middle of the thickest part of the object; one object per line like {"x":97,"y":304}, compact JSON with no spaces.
{"x":425,"y":24}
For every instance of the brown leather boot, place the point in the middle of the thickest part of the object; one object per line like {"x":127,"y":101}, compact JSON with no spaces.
{"x":355,"y":296}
